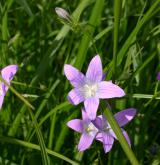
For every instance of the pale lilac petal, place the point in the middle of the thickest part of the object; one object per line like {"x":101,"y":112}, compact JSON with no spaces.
{"x":107,"y":142}
{"x":85,"y":116}
{"x":124,"y":133}
{"x":76,"y":78}
{"x":94,"y":71}
{"x":76,"y":125}
{"x":91,"y":107}
{"x":85,"y":142}
{"x":107,"y":89}
{"x":1,"y":101}
{"x":123,"y":117}
{"x":126,"y":136}
{"x":8,"y":73}
{"x":98,"y":122}
{"x":75,"y":96}
{"x":99,"y":137}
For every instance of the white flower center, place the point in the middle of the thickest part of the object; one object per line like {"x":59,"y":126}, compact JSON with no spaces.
{"x":1,"y":91}
{"x":106,"y":127}
{"x":90,"y":90}
{"x":91,"y":129}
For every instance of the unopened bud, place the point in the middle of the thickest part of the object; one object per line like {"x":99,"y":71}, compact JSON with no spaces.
{"x":62,"y":13}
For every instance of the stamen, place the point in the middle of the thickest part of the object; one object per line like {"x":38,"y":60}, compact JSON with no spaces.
{"x":91,"y":129}
{"x":90,"y":90}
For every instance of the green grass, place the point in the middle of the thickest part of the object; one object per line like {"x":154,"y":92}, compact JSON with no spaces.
{"x":124,"y":33}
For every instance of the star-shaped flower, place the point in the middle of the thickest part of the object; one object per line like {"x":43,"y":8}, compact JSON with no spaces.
{"x":86,"y":128}
{"x":7,"y":74}
{"x":106,"y":134}
{"x":90,"y":87}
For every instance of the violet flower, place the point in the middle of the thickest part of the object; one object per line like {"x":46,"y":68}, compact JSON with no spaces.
{"x":86,"y":128}
{"x":90,"y":87}
{"x":7,"y":74}
{"x":106,"y":134}
{"x":158,"y":76}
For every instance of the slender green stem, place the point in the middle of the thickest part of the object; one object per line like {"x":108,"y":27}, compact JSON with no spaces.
{"x":17,"y":94}
{"x":117,"y":12}
{"x":39,"y":134}
{"x":36,"y":147}
{"x":117,"y":130}
{"x":93,"y":22}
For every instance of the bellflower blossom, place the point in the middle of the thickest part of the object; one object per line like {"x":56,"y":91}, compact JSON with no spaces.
{"x":90,"y":87}
{"x":86,"y":128}
{"x":106,"y":134}
{"x":100,"y":129}
{"x":7,"y":74}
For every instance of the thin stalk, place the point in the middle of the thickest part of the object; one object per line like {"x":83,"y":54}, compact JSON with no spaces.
{"x":117,"y":12}
{"x":117,"y":130}
{"x":36,"y":147}
{"x":87,"y":37}
{"x":37,"y":129}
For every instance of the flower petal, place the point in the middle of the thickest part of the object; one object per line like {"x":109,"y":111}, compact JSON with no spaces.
{"x":85,"y":116}
{"x":85,"y":142}
{"x":1,"y":101}
{"x":99,"y":137}
{"x":109,"y":90}
{"x":75,"y":77}
{"x":91,"y":106}
{"x":126,"y":136}
{"x":107,"y":142}
{"x":76,"y":125}
{"x":124,"y":133}
{"x":94,"y":71}
{"x":8,"y":73}
{"x":123,"y":117}
{"x":98,"y":122}
{"x":75,"y":96}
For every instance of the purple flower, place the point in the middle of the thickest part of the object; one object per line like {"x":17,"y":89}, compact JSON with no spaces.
{"x":86,"y":128}
{"x":158,"y":76}
{"x":7,"y":74}
{"x":90,"y":87}
{"x":106,"y":134}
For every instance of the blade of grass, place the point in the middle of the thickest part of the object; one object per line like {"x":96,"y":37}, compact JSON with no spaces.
{"x":26,"y":7}
{"x":133,"y":34}
{"x":36,"y":147}
{"x":117,"y":15}
{"x":38,"y":132}
{"x":117,"y":130}
{"x":84,"y":44}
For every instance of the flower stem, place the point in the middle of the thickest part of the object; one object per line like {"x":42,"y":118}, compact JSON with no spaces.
{"x":37,"y":129}
{"x":117,"y":11}
{"x":87,"y":37}
{"x":117,"y":130}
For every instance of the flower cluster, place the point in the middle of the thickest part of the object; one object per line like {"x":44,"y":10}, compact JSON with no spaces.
{"x":90,"y":88}
{"x":7,"y":74}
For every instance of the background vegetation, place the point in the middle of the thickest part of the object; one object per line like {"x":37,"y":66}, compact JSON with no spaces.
{"x":32,"y":36}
